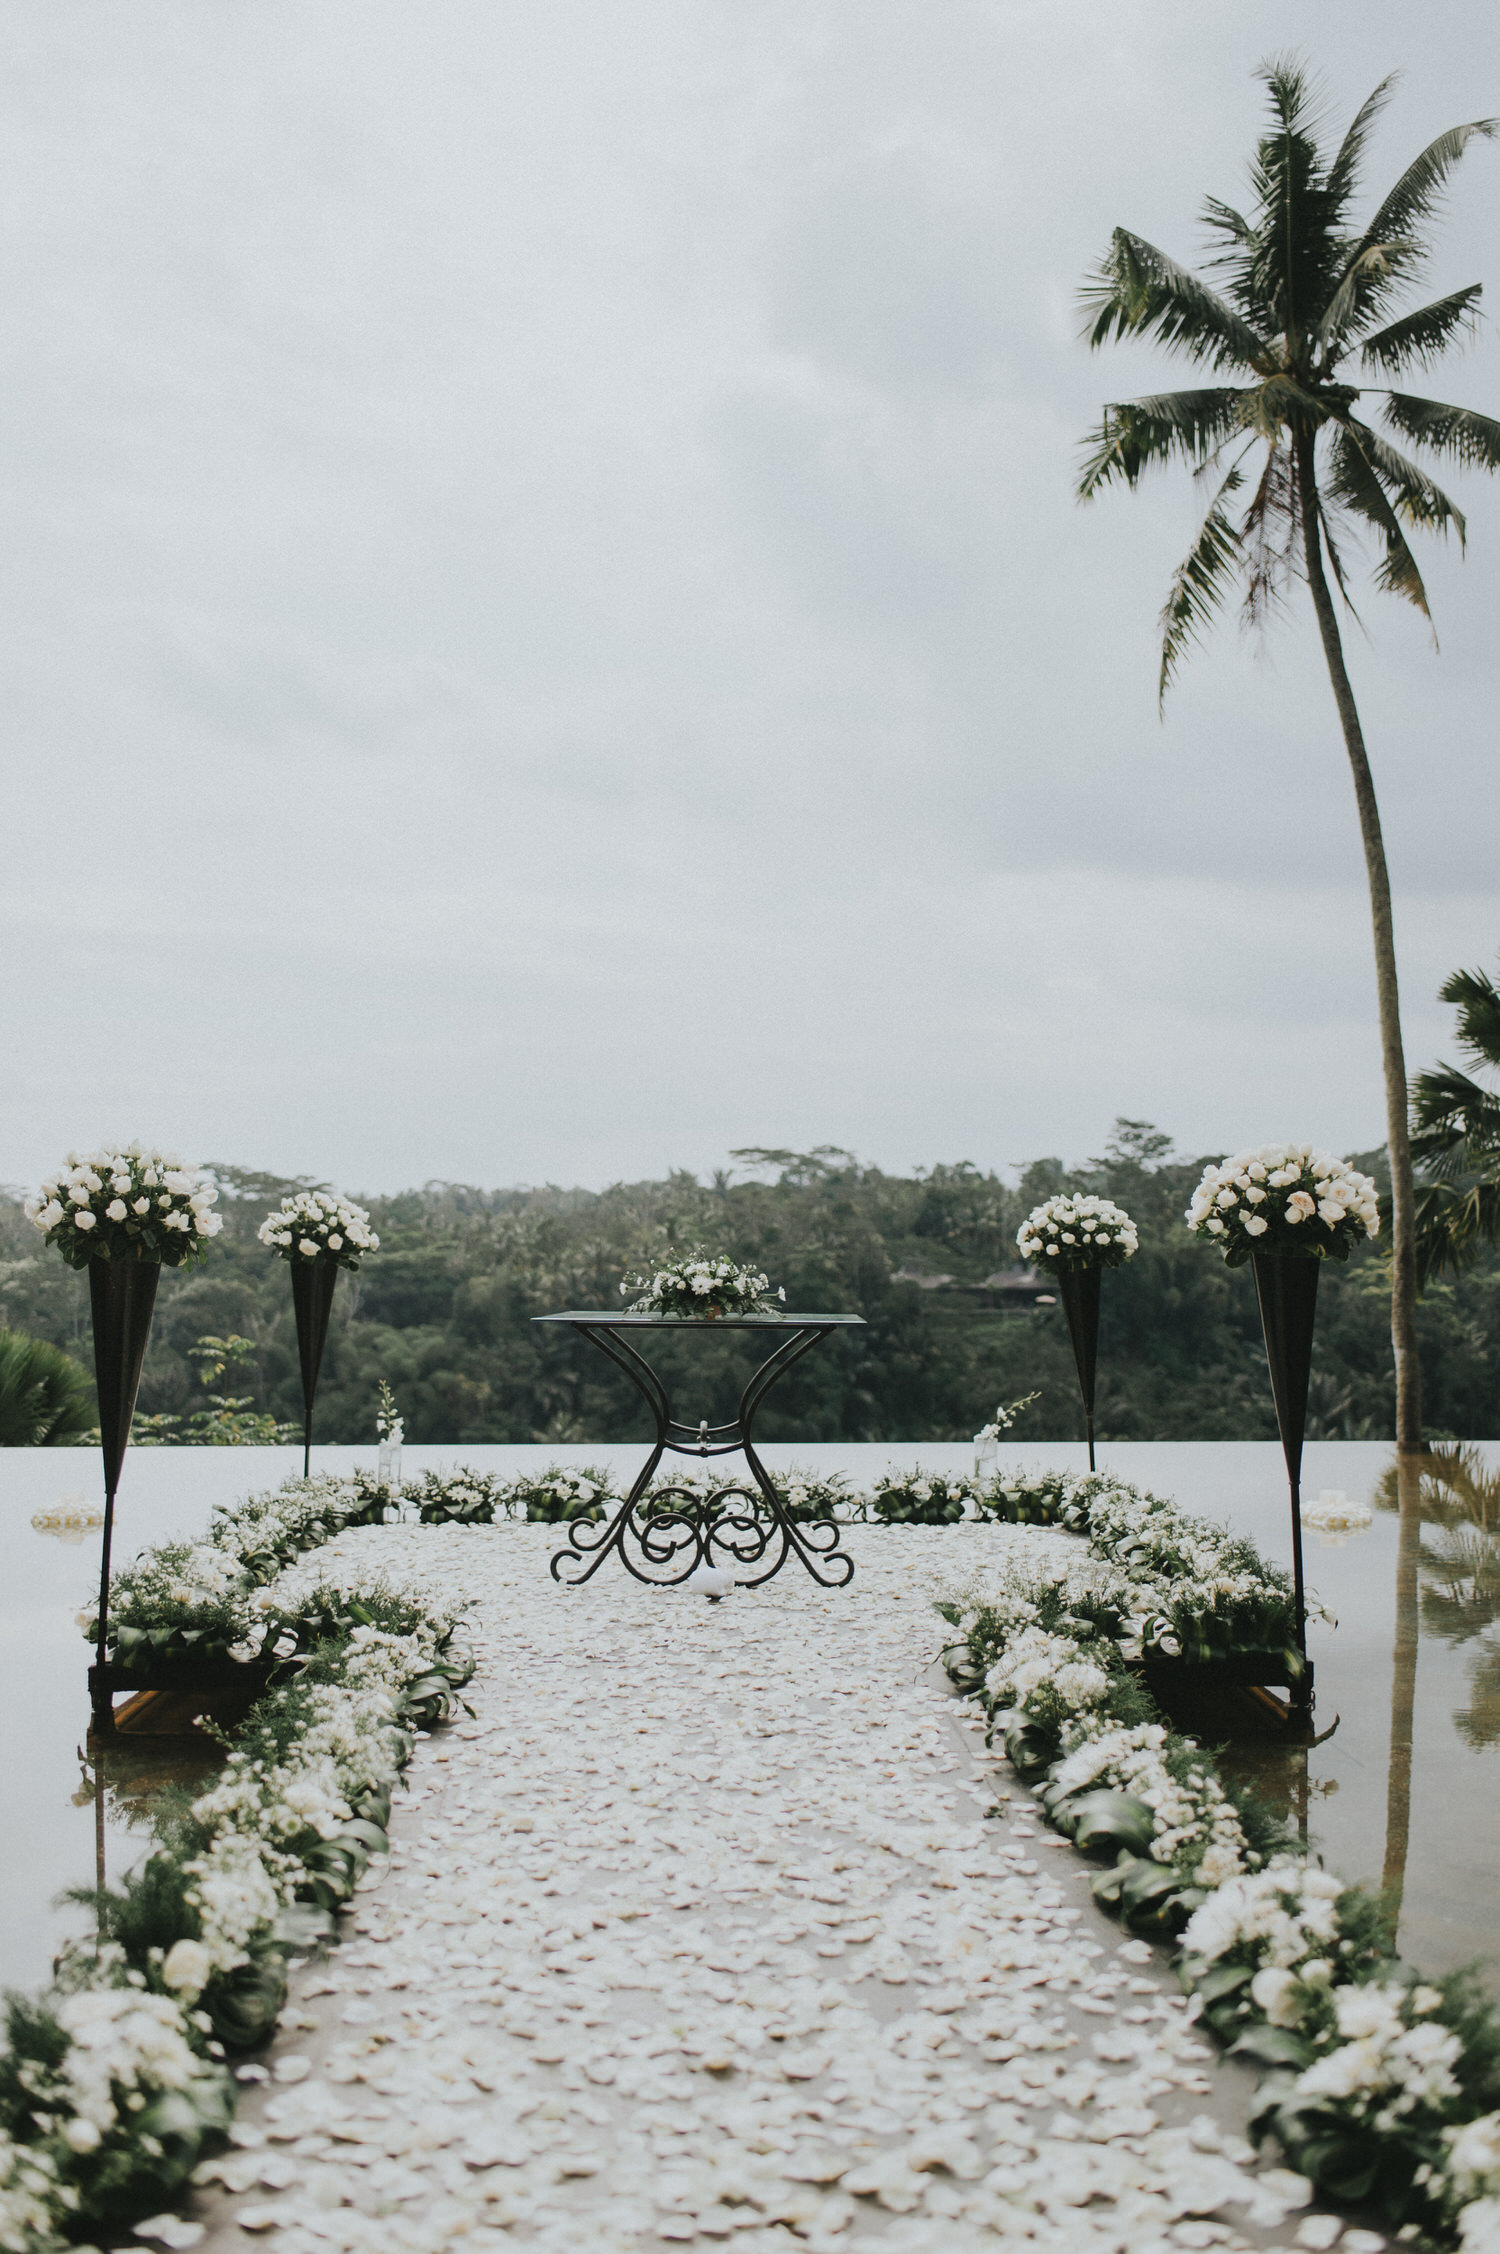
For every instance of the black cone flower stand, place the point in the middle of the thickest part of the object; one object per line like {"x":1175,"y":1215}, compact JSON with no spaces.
{"x":122,"y":1294}
{"x":1287,"y":1288}
{"x":312,"y":1302}
{"x":1078,"y":1289}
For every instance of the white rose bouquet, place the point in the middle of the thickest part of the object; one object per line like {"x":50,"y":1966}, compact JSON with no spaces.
{"x":1077,"y":1233}
{"x":703,"y":1286}
{"x":1285,"y":1198}
{"x":126,"y":1203}
{"x":318,"y":1225}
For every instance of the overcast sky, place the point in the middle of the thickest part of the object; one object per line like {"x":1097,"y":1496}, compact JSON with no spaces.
{"x":546,"y":631}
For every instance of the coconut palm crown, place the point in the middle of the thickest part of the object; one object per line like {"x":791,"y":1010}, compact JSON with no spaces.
{"x":1304,"y":310}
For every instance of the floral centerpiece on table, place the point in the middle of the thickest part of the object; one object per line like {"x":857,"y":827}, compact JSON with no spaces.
{"x":1284,"y":1198}
{"x":319,"y":1225}
{"x":126,"y":1203}
{"x":1078,"y":1232}
{"x":701,"y":1285}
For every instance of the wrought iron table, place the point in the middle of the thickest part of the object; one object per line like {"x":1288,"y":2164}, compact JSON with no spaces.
{"x":680,"y":1530}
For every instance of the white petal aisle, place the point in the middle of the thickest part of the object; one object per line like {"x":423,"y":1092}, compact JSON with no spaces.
{"x":697,"y":1934}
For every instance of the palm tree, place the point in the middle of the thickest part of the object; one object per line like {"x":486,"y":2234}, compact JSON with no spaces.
{"x":1457,"y":1142}
{"x":1305,"y":287}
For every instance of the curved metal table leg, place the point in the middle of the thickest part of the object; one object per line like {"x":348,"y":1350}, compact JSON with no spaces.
{"x":678,"y":1530}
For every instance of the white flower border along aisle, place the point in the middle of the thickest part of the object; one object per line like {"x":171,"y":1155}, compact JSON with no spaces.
{"x":114,"y":2082}
{"x":1383,"y":2088}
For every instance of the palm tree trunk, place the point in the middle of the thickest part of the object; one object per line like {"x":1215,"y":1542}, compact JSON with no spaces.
{"x":1403,"y":1195}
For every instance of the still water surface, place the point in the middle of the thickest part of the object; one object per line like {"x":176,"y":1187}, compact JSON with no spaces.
{"x":1405,"y":1790}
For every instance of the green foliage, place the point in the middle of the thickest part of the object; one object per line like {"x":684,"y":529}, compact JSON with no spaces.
{"x":445,"y":1312}
{"x":46,"y":1400}
{"x":1456,"y":1136}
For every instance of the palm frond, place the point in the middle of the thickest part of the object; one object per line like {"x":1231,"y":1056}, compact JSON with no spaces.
{"x":1452,"y":1221}
{"x":1417,"y":499}
{"x":1355,"y":484}
{"x":1477,"y":999}
{"x":1418,"y":338}
{"x":1271,"y":536}
{"x":1452,"y":1114}
{"x":1200,"y":583}
{"x":1469,"y":438}
{"x":1293,"y":93}
{"x":1361,"y":287}
{"x":1223,"y":219}
{"x":1141,"y":434}
{"x":1420,"y":185}
{"x":1343,"y":173}
{"x":1138,"y":291}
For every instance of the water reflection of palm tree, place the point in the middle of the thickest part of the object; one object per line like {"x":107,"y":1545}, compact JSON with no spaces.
{"x":1452,"y":1585}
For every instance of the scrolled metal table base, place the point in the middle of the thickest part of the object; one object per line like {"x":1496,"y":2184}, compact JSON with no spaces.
{"x":664,"y":1536}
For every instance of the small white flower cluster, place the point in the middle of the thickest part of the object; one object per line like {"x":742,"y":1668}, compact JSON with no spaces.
{"x":1283,"y":1923}
{"x":1471,"y":2183}
{"x":702,"y":1285}
{"x":1051,"y":1676}
{"x":1078,"y":1232}
{"x":124,"y":2046}
{"x":462,"y":1497}
{"x":925,"y":1498}
{"x":32,"y":2201}
{"x":1284,"y":1198}
{"x":1392,"y":2057}
{"x":126,"y":1203}
{"x":1195,"y":1828}
{"x":317,"y":1224}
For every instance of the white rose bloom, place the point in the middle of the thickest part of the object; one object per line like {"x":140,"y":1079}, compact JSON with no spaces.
{"x":187,"y":1967}
{"x":84,"y":1220}
{"x":116,"y":1210}
{"x":309,"y":1246}
{"x":335,"y":1244}
{"x":1256,"y":1225}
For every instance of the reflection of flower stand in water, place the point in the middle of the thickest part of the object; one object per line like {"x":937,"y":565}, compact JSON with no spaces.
{"x":679,"y":1532}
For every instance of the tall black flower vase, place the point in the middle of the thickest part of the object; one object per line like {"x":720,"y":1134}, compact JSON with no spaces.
{"x":1288,"y":1293}
{"x":312,"y":1303}
{"x":1079,"y":1293}
{"x":122,"y":1294}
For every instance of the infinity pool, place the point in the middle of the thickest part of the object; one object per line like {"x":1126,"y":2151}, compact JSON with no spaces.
{"x":1403,"y":1788}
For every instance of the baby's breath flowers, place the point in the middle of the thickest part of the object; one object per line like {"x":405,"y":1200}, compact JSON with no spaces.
{"x":124,"y":1202}
{"x":1284,"y":1198}
{"x":1078,"y":1232}
{"x":701,"y":1284}
{"x":319,"y":1225}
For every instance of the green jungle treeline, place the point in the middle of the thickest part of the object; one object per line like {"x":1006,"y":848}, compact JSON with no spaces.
{"x":444,"y":1311}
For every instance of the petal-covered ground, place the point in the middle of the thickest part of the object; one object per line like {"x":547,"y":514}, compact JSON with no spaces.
{"x":699,"y":1933}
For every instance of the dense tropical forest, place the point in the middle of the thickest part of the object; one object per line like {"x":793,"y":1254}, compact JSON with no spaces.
{"x":443,"y":1311}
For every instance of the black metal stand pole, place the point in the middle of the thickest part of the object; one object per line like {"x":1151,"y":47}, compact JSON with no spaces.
{"x":1288,"y":1293}
{"x":1079,"y":1293}
{"x":122,"y":1294}
{"x":312,"y":1303}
